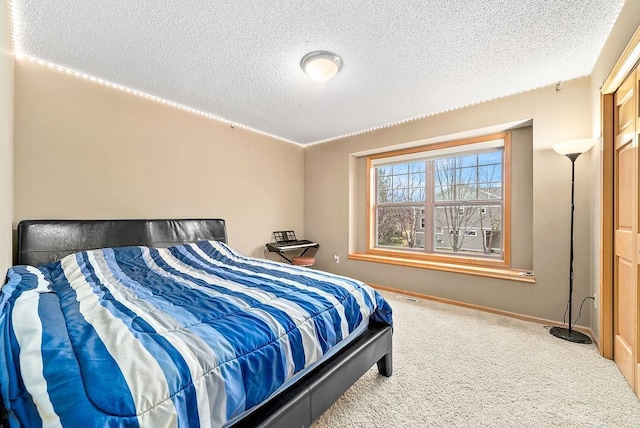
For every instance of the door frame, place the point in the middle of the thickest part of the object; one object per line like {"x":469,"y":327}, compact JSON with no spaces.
{"x":625,"y":64}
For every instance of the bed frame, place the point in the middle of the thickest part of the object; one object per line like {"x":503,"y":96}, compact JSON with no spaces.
{"x":44,"y":241}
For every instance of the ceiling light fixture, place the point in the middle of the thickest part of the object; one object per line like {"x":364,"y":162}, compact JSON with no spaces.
{"x":321,"y":65}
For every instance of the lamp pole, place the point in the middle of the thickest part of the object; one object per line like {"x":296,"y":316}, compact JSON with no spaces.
{"x":573,"y":158}
{"x":568,"y":333}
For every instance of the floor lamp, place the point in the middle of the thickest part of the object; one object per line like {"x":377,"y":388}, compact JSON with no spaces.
{"x":572,"y":149}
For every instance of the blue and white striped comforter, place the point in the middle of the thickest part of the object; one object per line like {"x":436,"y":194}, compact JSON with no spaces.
{"x":191,"y":335}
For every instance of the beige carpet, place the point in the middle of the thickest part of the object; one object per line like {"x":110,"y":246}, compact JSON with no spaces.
{"x":456,"y":367}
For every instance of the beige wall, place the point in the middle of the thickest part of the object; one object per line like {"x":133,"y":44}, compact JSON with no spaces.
{"x":557,"y":116}
{"x":6,"y":141}
{"x":625,"y":27}
{"x":84,"y":150}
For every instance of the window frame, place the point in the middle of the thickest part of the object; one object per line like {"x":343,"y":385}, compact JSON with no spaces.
{"x":463,"y":259}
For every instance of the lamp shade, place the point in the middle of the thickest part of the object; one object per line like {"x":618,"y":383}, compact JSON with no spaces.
{"x":320,"y":65}
{"x":574,"y":147}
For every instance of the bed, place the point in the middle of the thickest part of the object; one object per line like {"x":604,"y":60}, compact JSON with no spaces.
{"x":161,"y":323}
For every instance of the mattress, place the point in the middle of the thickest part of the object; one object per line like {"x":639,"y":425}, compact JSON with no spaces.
{"x":191,"y":335}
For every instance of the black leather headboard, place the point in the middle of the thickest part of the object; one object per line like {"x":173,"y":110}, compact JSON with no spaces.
{"x":44,"y":241}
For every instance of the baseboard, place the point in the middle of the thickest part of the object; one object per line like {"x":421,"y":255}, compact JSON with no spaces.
{"x":585,"y":330}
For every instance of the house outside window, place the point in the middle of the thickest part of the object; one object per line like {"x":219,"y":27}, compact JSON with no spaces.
{"x":447,"y":201}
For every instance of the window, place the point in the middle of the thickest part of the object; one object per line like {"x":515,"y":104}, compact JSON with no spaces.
{"x":443,"y":201}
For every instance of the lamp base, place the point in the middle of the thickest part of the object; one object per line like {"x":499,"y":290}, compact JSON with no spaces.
{"x":570,"y":335}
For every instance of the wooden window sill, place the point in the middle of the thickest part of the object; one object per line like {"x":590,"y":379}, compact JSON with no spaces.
{"x":490,"y":272}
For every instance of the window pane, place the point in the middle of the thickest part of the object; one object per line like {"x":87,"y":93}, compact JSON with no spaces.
{"x":383,"y":177}
{"x":401,"y":227}
{"x":490,"y":158}
{"x":384,"y":170}
{"x":467,"y":174}
{"x":468,"y":229}
{"x":417,"y":179}
{"x":395,"y":184}
{"x":399,"y":195}
{"x":469,"y":177}
{"x":489,"y":173}
{"x":400,"y":169}
{"x":418,"y":195}
{"x":490,"y":191}
{"x":467,"y":160}
{"x":400,"y":180}
{"x":444,"y":193}
{"x":467,"y":191}
{"x":417,"y":167}
{"x":448,"y":177}
{"x":385,"y":196}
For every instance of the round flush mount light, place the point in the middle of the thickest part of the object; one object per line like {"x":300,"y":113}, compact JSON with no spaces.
{"x":321,"y":65}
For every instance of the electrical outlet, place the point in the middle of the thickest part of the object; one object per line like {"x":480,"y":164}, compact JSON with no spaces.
{"x":336,"y":258}
{"x":595,"y":301}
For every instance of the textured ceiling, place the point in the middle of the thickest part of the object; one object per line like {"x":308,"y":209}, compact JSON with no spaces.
{"x":239,"y":61}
